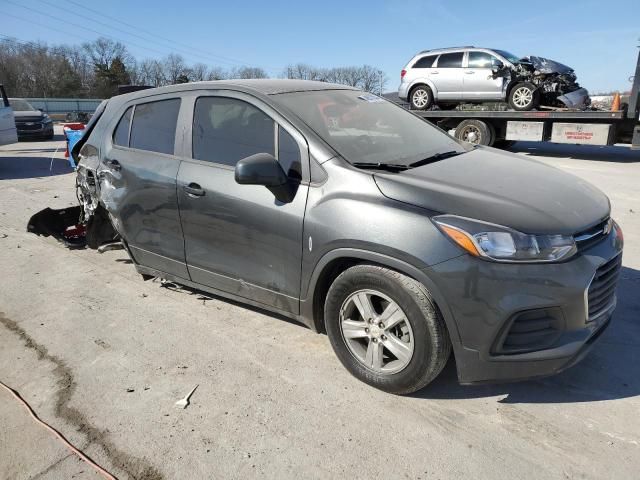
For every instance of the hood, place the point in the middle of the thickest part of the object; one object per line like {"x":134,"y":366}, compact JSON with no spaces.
{"x":544,"y":65}
{"x":501,"y":188}
{"x":28,"y":115}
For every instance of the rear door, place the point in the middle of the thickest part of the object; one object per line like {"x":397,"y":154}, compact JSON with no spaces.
{"x":447,"y":76}
{"x":239,"y":238}
{"x":138,"y":173}
{"x":8,"y":132}
{"x":478,"y":81}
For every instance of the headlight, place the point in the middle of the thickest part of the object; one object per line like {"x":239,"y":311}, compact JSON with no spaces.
{"x":503,"y":244}
{"x":46,"y":119}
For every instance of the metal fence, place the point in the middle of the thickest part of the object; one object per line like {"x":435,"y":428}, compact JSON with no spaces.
{"x":56,"y":106}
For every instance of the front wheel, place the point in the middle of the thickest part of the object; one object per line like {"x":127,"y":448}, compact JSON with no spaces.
{"x":385,"y":329}
{"x":524,"y":96}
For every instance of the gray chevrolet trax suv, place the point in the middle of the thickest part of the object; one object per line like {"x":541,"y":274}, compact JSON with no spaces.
{"x":334,"y":207}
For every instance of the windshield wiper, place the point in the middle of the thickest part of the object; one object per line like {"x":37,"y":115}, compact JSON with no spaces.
{"x":394,"y":167}
{"x":435,"y":158}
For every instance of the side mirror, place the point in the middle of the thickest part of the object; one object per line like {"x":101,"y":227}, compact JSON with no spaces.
{"x":260,"y":169}
{"x":496,"y":64}
{"x":264,"y":169}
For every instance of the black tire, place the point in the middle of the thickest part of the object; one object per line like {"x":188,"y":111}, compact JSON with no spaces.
{"x":421,"y":92}
{"x":432,"y":346}
{"x":476,"y":132}
{"x":515,"y":96}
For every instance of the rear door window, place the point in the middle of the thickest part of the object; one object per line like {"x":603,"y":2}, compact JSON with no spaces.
{"x":121,"y":133}
{"x":226,"y":130}
{"x":154,"y":126}
{"x":424,"y":62}
{"x":450,"y":60}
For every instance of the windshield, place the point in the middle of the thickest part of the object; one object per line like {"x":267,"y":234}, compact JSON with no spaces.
{"x":20,"y":105}
{"x":364,"y":128}
{"x":509,"y":56}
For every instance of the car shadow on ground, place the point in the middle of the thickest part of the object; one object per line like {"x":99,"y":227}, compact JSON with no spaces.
{"x":616,"y":154}
{"x":609,"y":371}
{"x":32,"y":167}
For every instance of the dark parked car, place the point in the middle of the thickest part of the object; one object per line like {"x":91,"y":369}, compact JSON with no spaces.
{"x":350,"y":214}
{"x":31,"y":122}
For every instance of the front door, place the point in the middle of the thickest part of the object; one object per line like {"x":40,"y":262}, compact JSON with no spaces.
{"x":478,"y":81}
{"x":239,"y":238}
{"x":138,"y":174}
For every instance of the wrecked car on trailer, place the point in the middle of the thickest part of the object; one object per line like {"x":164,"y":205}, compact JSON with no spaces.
{"x":556,"y":83}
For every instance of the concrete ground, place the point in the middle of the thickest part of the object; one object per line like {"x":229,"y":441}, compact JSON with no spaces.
{"x":102,"y":356}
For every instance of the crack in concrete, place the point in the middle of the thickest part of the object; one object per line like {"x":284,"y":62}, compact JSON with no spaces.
{"x":135,"y":468}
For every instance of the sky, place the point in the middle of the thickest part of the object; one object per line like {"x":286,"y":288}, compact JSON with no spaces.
{"x":598,"y":39}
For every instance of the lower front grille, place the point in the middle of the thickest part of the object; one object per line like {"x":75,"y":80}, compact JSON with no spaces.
{"x":602,"y":290}
{"x":25,"y":127}
{"x":530,"y":330}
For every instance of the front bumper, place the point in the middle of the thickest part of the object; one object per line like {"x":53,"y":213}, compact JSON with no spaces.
{"x":484,"y":297}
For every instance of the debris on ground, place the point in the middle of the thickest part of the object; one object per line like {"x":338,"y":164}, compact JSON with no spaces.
{"x":184,"y":402}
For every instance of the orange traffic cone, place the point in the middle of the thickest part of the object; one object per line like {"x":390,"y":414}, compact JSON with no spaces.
{"x":615,"y":105}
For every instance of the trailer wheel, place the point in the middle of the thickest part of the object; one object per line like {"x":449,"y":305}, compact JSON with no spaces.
{"x":524,"y":96}
{"x":476,"y":132}
{"x":421,"y":97}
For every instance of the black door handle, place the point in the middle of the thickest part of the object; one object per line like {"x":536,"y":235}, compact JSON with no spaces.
{"x":193,"y":190}
{"x":113,"y":165}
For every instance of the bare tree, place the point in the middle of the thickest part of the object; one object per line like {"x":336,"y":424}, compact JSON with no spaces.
{"x":217,"y":73}
{"x":96,"y":68}
{"x":302,"y":71}
{"x":151,"y":73}
{"x":174,"y":68}
{"x":198,"y":72}
{"x":103,"y":51}
{"x":247,"y":72}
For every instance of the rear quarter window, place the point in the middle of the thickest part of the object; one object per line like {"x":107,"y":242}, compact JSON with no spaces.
{"x":154,"y":126}
{"x":121,"y":133}
{"x":424,"y":62}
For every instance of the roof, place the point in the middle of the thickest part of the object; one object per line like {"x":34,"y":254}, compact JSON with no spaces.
{"x":261,"y":86}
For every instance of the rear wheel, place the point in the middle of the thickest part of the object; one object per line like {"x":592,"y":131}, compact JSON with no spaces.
{"x":476,"y":132}
{"x":385,"y":329}
{"x":524,"y":96}
{"x":421,"y":97}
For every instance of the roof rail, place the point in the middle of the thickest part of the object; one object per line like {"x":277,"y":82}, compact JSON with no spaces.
{"x":447,"y":48}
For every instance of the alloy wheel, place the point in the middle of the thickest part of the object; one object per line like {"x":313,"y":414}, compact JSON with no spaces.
{"x":522,"y":97}
{"x":420,"y":98}
{"x":376,"y":331}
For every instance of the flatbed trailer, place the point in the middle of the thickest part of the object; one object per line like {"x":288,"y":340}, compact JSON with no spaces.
{"x":499,"y":127}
